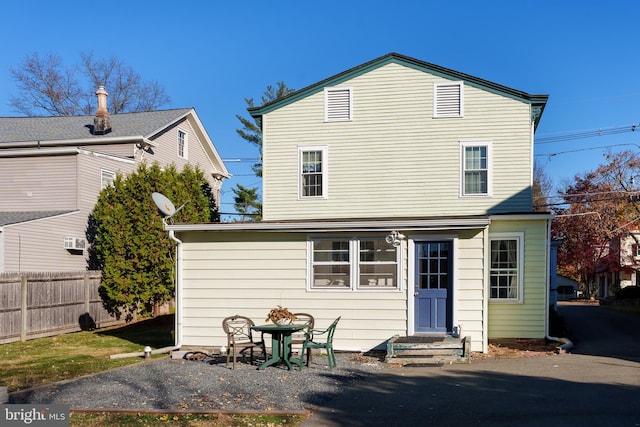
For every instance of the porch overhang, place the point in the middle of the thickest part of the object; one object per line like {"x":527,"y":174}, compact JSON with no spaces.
{"x":342,"y":225}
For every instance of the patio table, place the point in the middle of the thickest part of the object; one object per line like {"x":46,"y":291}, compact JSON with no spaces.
{"x":280,"y":343}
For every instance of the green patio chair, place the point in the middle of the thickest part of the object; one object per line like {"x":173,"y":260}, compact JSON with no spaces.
{"x":317,"y":338}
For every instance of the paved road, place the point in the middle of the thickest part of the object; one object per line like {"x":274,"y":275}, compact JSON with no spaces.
{"x":598,"y":384}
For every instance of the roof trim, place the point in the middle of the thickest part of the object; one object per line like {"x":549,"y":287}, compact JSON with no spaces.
{"x":537,"y":101}
{"x":356,"y":225}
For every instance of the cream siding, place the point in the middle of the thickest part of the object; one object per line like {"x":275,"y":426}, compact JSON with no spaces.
{"x":38,"y":183}
{"x":216,"y":285}
{"x":526,"y":320}
{"x":394,"y":158}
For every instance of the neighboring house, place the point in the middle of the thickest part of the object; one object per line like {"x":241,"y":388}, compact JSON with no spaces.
{"x":567,"y":289}
{"x":620,"y":265}
{"x":53,"y":168}
{"x":398,"y":195}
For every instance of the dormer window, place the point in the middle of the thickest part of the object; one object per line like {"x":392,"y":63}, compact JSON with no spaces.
{"x":338,"y":104}
{"x":448,"y":99}
{"x":182,"y":144}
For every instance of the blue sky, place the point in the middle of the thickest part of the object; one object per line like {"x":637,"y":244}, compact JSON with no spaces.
{"x":210,"y":55}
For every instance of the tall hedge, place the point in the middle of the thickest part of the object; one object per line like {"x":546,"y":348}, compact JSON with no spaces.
{"x":129,"y":243}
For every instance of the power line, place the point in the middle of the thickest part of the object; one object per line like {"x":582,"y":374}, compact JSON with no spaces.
{"x":587,"y":134}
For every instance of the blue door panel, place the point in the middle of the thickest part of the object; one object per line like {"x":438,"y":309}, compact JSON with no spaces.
{"x":432,"y":287}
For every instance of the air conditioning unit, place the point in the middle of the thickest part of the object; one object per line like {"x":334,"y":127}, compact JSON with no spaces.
{"x":74,"y":243}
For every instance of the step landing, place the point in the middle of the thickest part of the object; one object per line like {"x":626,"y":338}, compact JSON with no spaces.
{"x":428,"y":349}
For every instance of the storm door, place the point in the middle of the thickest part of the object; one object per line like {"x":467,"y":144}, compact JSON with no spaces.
{"x":432,"y":293}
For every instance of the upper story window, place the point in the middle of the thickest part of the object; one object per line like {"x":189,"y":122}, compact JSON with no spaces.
{"x":475,"y":168}
{"x":506,"y":268}
{"x":356,"y":263}
{"x":106,"y":178}
{"x":448,"y":99}
{"x":313,"y":172}
{"x":182,"y":144}
{"x":338,"y":105}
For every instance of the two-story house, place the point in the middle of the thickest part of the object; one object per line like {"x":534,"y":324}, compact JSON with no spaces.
{"x":53,"y":168}
{"x":619,"y":265}
{"x":398,"y":195}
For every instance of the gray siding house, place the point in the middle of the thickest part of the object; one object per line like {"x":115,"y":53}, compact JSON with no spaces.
{"x":53,"y":168}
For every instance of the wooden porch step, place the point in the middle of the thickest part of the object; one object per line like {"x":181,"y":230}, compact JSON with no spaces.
{"x":428,"y":350}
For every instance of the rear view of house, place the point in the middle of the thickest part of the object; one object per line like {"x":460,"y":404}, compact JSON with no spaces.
{"x":53,"y":168}
{"x":397,"y":195}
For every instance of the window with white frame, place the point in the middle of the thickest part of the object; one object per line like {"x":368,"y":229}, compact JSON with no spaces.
{"x":106,"y":178}
{"x":338,"y":105}
{"x":182,"y":144}
{"x":448,"y":99}
{"x":475,"y":168}
{"x":313,"y":172}
{"x":351,"y":264}
{"x":506,"y":267}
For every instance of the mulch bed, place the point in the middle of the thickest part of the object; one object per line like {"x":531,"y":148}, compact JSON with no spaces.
{"x":518,"y":348}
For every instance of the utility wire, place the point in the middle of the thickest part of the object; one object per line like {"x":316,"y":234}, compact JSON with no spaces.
{"x":587,"y":134}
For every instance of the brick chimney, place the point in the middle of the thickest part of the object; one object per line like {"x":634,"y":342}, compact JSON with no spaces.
{"x":102,"y":121}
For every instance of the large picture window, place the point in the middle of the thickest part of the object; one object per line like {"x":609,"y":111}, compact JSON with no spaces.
{"x":313,"y":172}
{"x":506,"y":268}
{"x":350,"y":264}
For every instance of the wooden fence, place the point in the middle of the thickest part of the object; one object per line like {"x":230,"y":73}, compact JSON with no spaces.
{"x":34,"y":305}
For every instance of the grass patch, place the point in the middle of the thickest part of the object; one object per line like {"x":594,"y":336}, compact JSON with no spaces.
{"x":106,"y":419}
{"x":47,"y":360}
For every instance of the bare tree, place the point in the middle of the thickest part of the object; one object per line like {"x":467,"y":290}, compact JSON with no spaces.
{"x":47,"y":87}
{"x":542,"y":186}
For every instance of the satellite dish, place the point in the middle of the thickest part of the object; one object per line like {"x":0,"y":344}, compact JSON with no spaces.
{"x":165,"y":206}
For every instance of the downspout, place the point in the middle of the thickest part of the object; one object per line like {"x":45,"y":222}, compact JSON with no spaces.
{"x":566,"y":343}
{"x":178,"y":293}
{"x":178,"y":324}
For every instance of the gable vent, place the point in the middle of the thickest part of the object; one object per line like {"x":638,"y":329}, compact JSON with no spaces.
{"x":448,"y":99}
{"x":337,"y":104}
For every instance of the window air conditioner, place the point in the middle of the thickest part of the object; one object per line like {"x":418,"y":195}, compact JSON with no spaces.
{"x":74,"y":243}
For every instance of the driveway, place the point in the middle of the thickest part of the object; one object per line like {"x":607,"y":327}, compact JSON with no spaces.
{"x":597,"y":384}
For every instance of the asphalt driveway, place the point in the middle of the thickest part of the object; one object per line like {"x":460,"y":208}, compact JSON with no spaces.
{"x":597,"y":384}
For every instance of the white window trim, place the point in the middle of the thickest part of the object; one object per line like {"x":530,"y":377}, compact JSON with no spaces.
{"x":478,"y":143}
{"x":460,"y":84}
{"x":354,"y":266}
{"x":519,"y":237}
{"x":327,"y":91}
{"x":325,"y":175}
{"x":104,"y":172}
{"x":186,"y":144}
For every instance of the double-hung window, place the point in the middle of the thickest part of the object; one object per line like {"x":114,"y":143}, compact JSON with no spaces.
{"x":506,"y":267}
{"x":475,"y":168}
{"x":106,"y":178}
{"x":182,"y":144}
{"x":313,"y":172}
{"x":353,"y":264}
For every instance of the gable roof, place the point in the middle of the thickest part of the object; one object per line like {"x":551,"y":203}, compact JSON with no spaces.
{"x":538,"y":102}
{"x":29,"y":129}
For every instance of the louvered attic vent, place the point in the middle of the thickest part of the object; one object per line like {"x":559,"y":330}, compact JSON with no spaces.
{"x":448,"y":99}
{"x":337,"y":104}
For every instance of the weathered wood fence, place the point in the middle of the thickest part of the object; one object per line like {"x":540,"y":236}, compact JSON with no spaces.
{"x":34,"y":305}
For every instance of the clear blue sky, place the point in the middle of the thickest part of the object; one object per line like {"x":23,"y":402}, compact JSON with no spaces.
{"x":210,"y":55}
